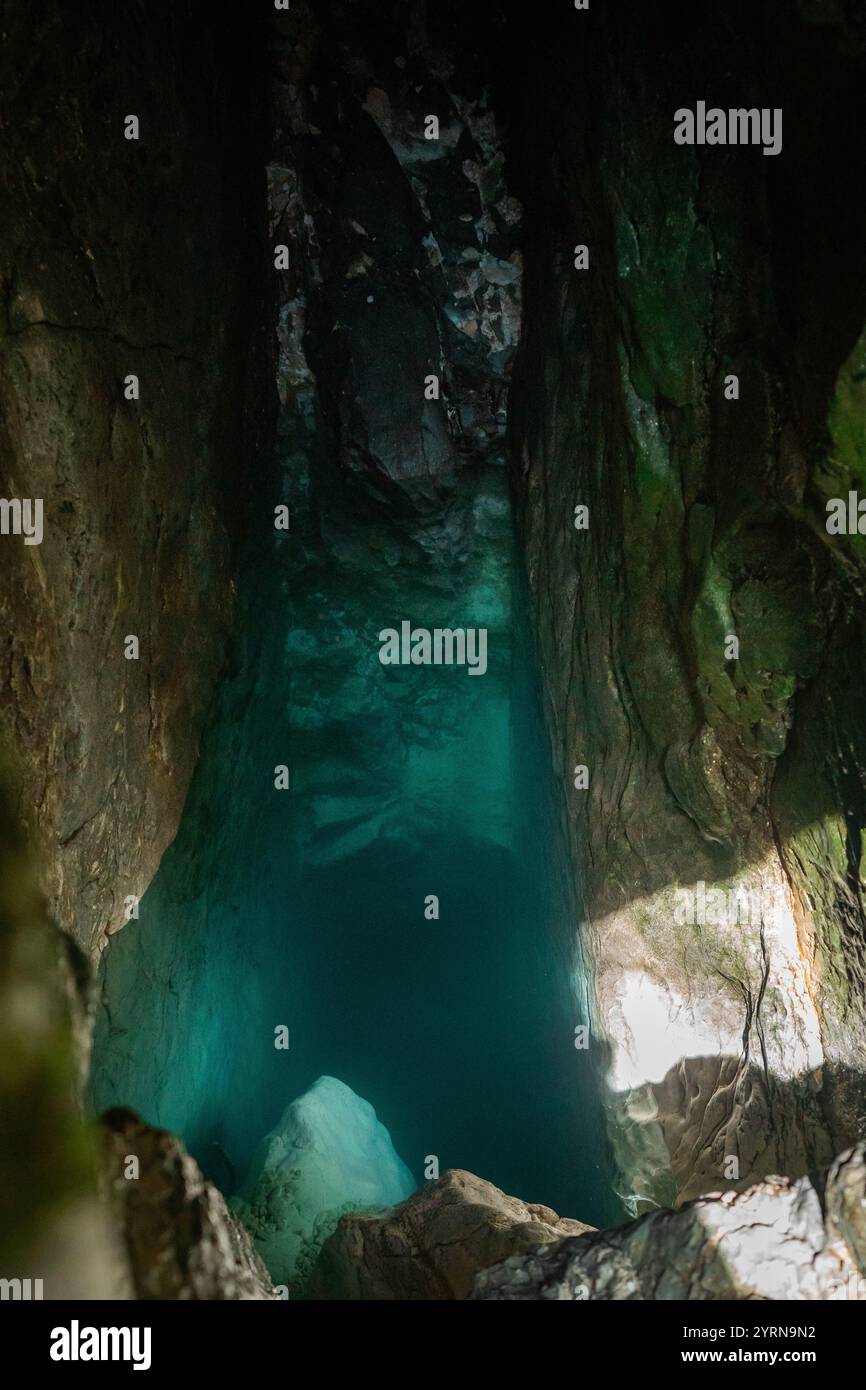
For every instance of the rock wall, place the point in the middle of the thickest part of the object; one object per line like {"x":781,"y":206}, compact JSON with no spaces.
{"x":730,"y":1031}
{"x":118,"y":258}
{"x":123,"y":257}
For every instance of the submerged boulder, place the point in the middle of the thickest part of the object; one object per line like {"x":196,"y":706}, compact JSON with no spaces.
{"x":328,"y":1155}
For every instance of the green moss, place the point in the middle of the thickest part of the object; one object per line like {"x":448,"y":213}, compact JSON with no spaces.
{"x":669,"y":302}
{"x":767,"y":596}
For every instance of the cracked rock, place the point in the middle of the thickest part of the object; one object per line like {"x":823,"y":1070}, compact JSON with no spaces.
{"x":777,"y":1240}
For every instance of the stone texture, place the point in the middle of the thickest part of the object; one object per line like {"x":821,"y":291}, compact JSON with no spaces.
{"x":404,"y":251}
{"x":116,"y":257}
{"x":121,"y":257}
{"x":433,"y":1245}
{"x":721,"y":1036}
{"x":181,"y":1240}
{"x":780,"y":1240}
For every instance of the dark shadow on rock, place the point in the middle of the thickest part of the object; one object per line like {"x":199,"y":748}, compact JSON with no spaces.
{"x":707,"y":513}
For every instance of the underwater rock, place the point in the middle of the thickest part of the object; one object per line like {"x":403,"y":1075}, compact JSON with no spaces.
{"x":328,"y":1155}
{"x":433,"y":1245}
{"x":782,"y":1239}
{"x":182,"y":1241}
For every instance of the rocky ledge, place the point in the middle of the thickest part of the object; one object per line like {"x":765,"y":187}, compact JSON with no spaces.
{"x":433,"y":1245}
{"x":182,"y":1242}
{"x":778,"y":1240}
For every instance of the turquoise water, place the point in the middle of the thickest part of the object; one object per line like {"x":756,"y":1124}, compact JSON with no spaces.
{"x":305,"y":908}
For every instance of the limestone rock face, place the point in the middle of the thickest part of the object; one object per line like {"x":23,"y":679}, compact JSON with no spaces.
{"x":781,"y":1239}
{"x":433,"y":1245}
{"x":111,"y":252}
{"x":181,"y":1240}
{"x":718,"y":844}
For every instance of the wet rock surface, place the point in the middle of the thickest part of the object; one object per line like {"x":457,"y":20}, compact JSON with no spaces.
{"x":433,"y":1245}
{"x":779,"y":1240}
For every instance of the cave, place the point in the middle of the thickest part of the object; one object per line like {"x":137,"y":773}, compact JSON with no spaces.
{"x":434,"y":772}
